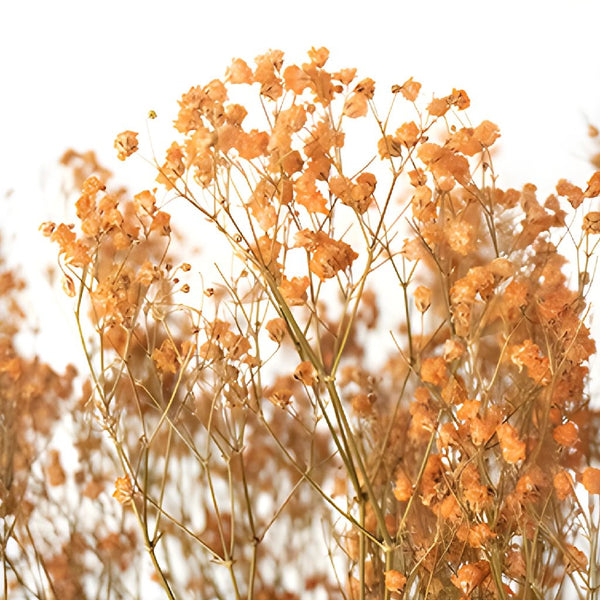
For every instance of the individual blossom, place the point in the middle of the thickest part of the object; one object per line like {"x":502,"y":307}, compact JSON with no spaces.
{"x":529,"y":355}
{"x":408,"y":134}
{"x":403,"y":487}
{"x":434,"y":371}
{"x":593,"y":186}
{"x":563,"y":485}
{"x":294,"y":290}
{"x":305,"y":372}
{"x":486,"y":133}
{"x":591,"y":222}
{"x":574,"y":559}
{"x":281,"y":397}
{"x":123,"y":490}
{"x":409,"y":89}
{"x":126,"y":144}
{"x":460,"y":99}
{"x":479,"y":534}
{"x":276,"y":329}
{"x":566,"y":434}
{"x":362,"y":404}
{"x":239,"y":72}
{"x":591,"y":480}
{"x":166,"y":357}
{"x":474,"y":492}
{"x":54,"y":470}
{"x":422,"y":297}
{"x":513,"y":449}
{"x":328,"y":256}
{"x":459,"y":235}
{"x":394,"y":580}
{"x":573,"y":193}
{"x":471,"y":575}
{"x":453,"y":349}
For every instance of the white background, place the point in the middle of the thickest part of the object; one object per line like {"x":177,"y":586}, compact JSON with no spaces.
{"x":75,"y":73}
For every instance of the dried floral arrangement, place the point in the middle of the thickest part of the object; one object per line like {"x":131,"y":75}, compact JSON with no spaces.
{"x":381,"y":392}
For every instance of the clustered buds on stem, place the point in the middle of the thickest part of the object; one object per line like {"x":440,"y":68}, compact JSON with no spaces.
{"x":446,"y":449}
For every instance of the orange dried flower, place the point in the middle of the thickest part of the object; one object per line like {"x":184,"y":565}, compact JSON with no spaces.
{"x":362,"y":404}
{"x":54,"y":471}
{"x":474,"y":492}
{"x":528,"y":355}
{"x":453,"y":349}
{"x":145,"y":203}
{"x":434,"y":371}
{"x":468,"y":410}
{"x":459,"y":235}
{"x":470,"y":576}
{"x":591,"y":222}
{"x":573,"y":193}
{"x":356,"y":106}
{"x":308,"y":195}
{"x":513,"y":449}
{"x":123,"y":490}
{"x":403,"y":488}
{"x":281,"y":397}
{"x":394,"y":580}
{"x":422,"y":297}
{"x":239,"y":72}
{"x":69,"y":286}
{"x":563,"y":484}
{"x":277,"y":329}
{"x":486,"y":133}
{"x":408,"y":134}
{"x":591,"y":480}
{"x":296,"y":80}
{"x":593,"y":186}
{"x":329,"y":256}
{"x":438,"y":107}
{"x":574,"y":559}
{"x":460,"y":99}
{"x":479,"y":534}
{"x":305,"y":372}
{"x":294,"y":290}
{"x":409,"y":89}
{"x":432,"y":481}
{"x":566,"y":434}
{"x":166,"y":357}
{"x":126,"y":144}
{"x":318,"y":56}
{"x":161,"y":222}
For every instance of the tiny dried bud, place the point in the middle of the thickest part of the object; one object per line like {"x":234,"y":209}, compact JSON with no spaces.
{"x":47,"y":228}
{"x":185,"y":288}
{"x":186,"y":267}
{"x":68,"y":286}
{"x":422,"y":298}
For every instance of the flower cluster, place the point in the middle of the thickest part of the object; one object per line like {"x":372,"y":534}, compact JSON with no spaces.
{"x":447,"y":449}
